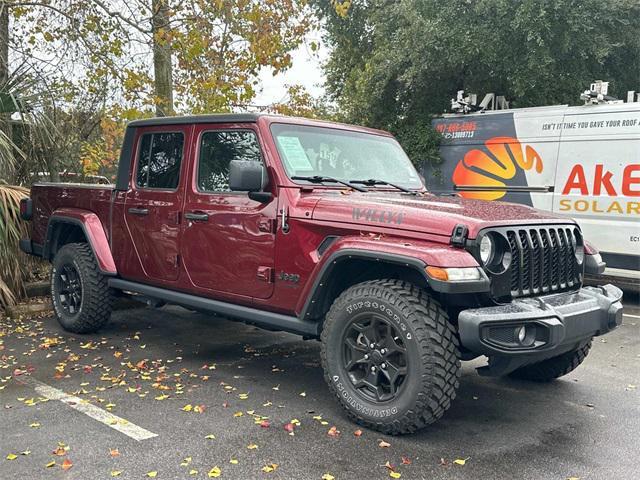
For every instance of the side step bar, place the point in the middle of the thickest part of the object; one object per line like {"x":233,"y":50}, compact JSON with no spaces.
{"x":268,"y":320}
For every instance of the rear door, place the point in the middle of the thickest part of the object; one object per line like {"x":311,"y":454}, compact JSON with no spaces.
{"x":154,"y":202}
{"x":228,"y":239}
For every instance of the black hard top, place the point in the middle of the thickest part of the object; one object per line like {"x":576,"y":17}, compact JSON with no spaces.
{"x":189,"y":119}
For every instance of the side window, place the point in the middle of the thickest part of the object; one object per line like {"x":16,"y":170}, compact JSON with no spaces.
{"x":159,"y":160}
{"x":217,"y":149}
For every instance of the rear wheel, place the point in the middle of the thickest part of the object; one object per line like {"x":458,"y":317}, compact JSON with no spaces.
{"x":82,"y":299}
{"x":390,"y":355}
{"x":553,"y":368}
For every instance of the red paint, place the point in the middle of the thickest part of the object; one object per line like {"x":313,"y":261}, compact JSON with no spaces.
{"x":95,"y":233}
{"x":576,"y":180}
{"x":240,"y":252}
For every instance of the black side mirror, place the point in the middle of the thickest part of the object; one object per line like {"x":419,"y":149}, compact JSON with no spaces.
{"x":247,"y":176}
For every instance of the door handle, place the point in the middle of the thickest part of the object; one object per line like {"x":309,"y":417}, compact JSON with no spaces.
{"x":139,"y":211}
{"x":197,"y":217}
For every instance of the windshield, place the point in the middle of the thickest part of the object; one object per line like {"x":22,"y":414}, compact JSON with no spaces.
{"x":344,"y":155}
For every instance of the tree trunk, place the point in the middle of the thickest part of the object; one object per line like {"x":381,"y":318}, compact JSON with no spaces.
{"x":7,"y":170}
{"x":162,"y":69}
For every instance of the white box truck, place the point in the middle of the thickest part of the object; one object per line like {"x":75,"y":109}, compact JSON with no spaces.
{"x":580,"y":161}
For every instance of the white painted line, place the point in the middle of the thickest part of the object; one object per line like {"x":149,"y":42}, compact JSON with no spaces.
{"x":89,"y":409}
{"x":631,"y":316}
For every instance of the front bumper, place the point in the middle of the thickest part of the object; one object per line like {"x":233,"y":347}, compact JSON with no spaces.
{"x":553,"y":324}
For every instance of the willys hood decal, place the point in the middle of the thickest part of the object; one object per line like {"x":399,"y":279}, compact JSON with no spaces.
{"x":426,"y":213}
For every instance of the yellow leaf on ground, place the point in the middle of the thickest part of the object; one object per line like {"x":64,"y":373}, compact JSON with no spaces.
{"x":270,"y":467}
{"x":234,"y":461}
{"x":211,"y":436}
{"x":162,"y":397}
{"x":51,"y":464}
{"x":34,"y":425}
{"x":215,"y":472}
{"x":116,"y":473}
{"x":193,"y":471}
{"x":12,"y":456}
{"x":252,"y":446}
{"x":187,"y":408}
{"x":393,"y":474}
{"x":152,"y":474}
{"x":328,"y":476}
{"x":238,"y":414}
{"x":185,"y":462}
{"x":461,"y":461}
{"x":384,"y":444}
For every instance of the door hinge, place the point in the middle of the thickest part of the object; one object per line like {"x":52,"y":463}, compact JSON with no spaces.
{"x":265,"y":274}
{"x":267,"y":225}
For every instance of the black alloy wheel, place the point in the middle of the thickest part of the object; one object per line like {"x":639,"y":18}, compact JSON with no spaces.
{"x":69,"y":288}
{"x":374,"y":357}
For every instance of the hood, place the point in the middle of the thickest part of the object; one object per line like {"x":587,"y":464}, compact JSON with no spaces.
{"x":427,"y":213}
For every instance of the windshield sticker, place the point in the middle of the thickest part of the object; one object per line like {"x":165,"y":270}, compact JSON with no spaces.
{"x":294,"y":154}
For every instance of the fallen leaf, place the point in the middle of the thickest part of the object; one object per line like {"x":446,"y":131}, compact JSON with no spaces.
{"x":384,"y":444}
{"x":270,"y":467}
{"x":234,"y":461}
{"x":393,"y":474}
{"x":193,"y":471}
{"x":114,"y":452}
{"x":289,"y":427}
{"x":116,"y":473}
{"x":199,"y":408}
{"x":252,"y":446}
{"x":60,"y":451}
{"x":265,"y":424}
{"x":185,"y":462}
{"x":162,"y":397}
{"x":51,"y":464}
{"x":67,"y":464}
{"x":406,"y":460}
{"x":34,"y":425}
{"x":357,"y":433}
{"x":333,"y":432}
{"x":328,"y":476}
{"x":238,"y":414}
{"x":187,"y":408}
{"x":461,"y":461}
{"x":211,"y":436}
{"x":215,"y":472}
{"x":152,"y":474}
{"x":303,"y":394}
{"x":12,"y":456}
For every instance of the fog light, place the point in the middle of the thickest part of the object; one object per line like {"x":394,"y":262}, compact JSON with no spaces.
{"x":521,"y":333}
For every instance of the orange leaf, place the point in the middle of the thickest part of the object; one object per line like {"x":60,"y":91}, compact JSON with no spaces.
{"x":114,"y":452}
{"x":67,"y":464}
{"x":357,"y":433}
{"x":406,"y":460}
{"x":333,"y":432}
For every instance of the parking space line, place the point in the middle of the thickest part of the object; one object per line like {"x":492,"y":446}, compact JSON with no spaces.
{"x":629,"y":315}
{"x":89,"y":409}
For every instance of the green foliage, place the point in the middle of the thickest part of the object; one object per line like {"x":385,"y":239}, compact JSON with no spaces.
{"x":394,"y":64}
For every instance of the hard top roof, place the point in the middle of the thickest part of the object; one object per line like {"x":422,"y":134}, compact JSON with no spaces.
{"x":189,"y":119}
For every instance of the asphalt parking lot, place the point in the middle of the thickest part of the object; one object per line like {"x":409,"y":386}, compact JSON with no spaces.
{"x":182,"y":395}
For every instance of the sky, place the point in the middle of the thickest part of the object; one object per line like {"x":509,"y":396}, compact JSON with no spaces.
{"x":306,"y":70}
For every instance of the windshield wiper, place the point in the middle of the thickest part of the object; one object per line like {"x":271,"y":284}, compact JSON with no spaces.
{"x":372,"y":182}
{"x":322,"y":179}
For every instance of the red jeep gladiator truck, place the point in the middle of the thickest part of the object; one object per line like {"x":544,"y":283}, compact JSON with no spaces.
{"x":326,"y":230}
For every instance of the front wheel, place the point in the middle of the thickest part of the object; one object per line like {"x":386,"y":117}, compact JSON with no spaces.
{"x":82,"y":299}
{"x":553,"y":368}
{"x":390,"y":355}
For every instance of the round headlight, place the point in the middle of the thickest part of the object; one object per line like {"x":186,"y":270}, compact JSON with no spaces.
{"x":486,"y":249}
{"x":578,"y":247}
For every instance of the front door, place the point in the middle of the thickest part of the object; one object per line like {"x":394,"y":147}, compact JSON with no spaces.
{"x":154,"y":201}
{"x":228,"y":240}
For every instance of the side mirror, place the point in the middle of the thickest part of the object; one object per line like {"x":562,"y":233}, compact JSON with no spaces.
{"x":247,"y":176}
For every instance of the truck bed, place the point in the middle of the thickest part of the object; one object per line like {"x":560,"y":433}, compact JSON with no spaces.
{"x":48,"y":197}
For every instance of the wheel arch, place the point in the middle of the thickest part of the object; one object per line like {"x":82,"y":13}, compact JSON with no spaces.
{"x":75,"y":225}
{"x":336,"y":275}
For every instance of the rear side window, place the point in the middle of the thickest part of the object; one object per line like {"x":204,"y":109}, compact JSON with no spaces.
{"x":159,"y":160}
{"x":217,"y":149}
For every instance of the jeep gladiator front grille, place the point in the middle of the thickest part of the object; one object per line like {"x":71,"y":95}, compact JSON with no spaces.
{"x":542,"y":260}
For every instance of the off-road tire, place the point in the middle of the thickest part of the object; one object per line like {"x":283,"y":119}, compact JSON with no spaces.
{"x":97,"y":298}
{"x":554,"y":367}
{"x":432,"y":355}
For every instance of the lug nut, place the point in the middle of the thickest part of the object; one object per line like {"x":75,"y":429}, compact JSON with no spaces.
{"x":373,"y":345}
{"x":383,"y":351}
{"x":373,"y":369}
{"x":384,"y":365}
{"x":366,"y":356}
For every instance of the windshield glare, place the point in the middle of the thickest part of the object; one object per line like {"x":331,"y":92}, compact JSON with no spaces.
{"x":344,"y":155}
